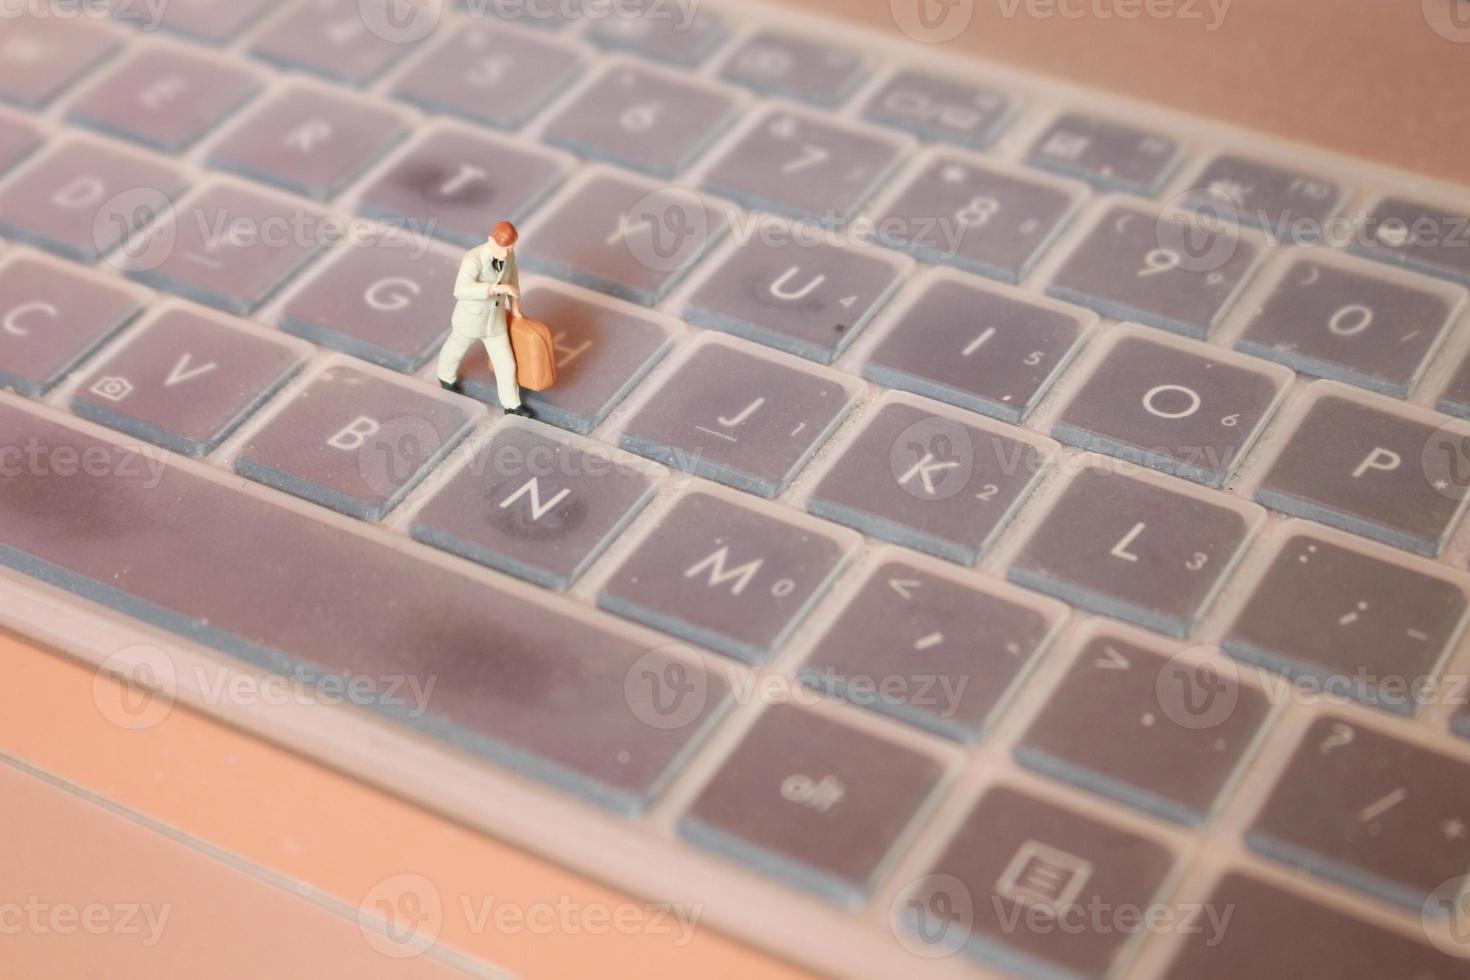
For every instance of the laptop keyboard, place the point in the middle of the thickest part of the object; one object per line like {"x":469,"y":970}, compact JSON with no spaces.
{"x":844,"y":402}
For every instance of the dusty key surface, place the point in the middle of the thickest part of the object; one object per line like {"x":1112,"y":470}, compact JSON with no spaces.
{"x":811,"y":801}
{"x":1371,"y":812}
{"x":1153,"y":729}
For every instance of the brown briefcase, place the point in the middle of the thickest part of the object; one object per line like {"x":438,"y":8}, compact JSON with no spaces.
{"x":535,"y":353}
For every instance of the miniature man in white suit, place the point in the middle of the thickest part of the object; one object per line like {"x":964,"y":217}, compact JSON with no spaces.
{"x":487,"y":288}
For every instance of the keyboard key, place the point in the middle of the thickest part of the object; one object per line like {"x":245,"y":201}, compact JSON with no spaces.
{"x":1455,"y":399}
{"x":164,"y":98}
{"x":1354,"y":624}
{"x":309,"y":140}
{"x":1136,"y":549}
{"x":488,"y":75}
{"x":534,"y":506}
{"x":728,"y":576}
{"x":18,"y":140}
{"x":929,"y":481}
{"x":804,"y":166}
{"x":602,"y":351}
{"x":1343,"y":321}
{"x":1419,"y":236}
{"x":625,"y":236}
{"x":940,"y":109}
{"x":1159,"y":732}
{"x":287,"y":590}
{"x":806,"y":298}
{"x":812,"y":801}
{"x":547,"y":16}
{"x":957,"y":211}
{"x":646,"y":119}
{"x":1109,"y":155}
{"x":924,"y":646}
{"x":1368,"y":467}
{"x":387,"y":302}
{"x":1276,"y":933}
{"x":210,"y":21}
{"x":355,"y":441}
{"x":42,"y":55}
{"x":185,"y":381}
{"x":1186,"y":408}
{"x":1294,"y":207}
{"x":352,"y":41}
{"x":795,"y":67}
{"x":1021,"y":860}
{"x":51,"y":317}
{"x":230,"y":248}
{"x":683,"y":35}
{"x":740,"y":418}
{"x":981,"y":347}
{"x":1166,"y":270}
{"x":81,"y":199}
{"x":1369,"y":811}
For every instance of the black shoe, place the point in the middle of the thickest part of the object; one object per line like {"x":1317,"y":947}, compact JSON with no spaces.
{"x":522,"y":411}
{"x":453,"y":386}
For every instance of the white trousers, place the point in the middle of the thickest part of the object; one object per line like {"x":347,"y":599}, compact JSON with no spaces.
{"x":502,"y":361}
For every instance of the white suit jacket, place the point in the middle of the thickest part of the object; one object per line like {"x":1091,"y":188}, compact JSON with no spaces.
{"x":474,"y":314}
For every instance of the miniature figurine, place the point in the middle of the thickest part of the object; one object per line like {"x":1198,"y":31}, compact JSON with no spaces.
{"x":488,"y":289}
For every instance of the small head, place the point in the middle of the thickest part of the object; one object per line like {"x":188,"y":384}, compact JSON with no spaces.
{"x":502,"y":240}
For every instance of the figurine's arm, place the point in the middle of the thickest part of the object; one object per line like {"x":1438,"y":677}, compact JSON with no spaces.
{"x":468,"y":284}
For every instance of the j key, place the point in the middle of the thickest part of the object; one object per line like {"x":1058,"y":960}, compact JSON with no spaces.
{"x":230,"y":248}
{"x":489,"y":76}
{"x":387,"y":302}
{"x":164,"y":98}
{"x":41,"y":56}
{"x":1136,"y":549}
{"x":1272,"y":933}
{"x":742,"y":419}
{"x":643,"y":118}
{"x":971,"y":344}
{"x":264,"y":581}
{"x":1167,"y":270}
{"x":603,"y":349}
{"x":186,"y":381}
{"x":1356,"y":625}
{"x":954,"y":647}
{"x":1020,"y":860}
{"x":1161,"y":733}
{"x":309,"y":140}
{"x":51,"y":317}
{"x":940,"y":108}
{"x":1181,"y":407}
{"x":794,"y":67}
{"x":665,"y":32}
{"x":1420,"y":236}
{"x":355,"y":442}
{"x":625,"y":236}
{"x":959,"y":212}
{"x":81,"y":200}
{"x":1369,"y":468}
{"x":1349,"y":323}
{"x":812,"y":801}
{"x":18,"y":139}
{"x":727,"y":576}
{"x":1293,"y":206}
{"x":211,"y":21}
{"x":1369,"y":811}
{"x":456,"y":184}
{"x":930,"y":482}
{"x":804,"y":166}
{"x":806,"y":299}
{"x":352,"y":41}
{"x":1109,"y":155}
{"x":534,"y":506}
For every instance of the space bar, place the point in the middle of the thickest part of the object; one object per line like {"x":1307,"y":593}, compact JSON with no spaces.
{"x":528,"y":683}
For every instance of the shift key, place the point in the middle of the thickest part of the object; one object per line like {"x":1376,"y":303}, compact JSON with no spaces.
{"x":525,"y":681}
